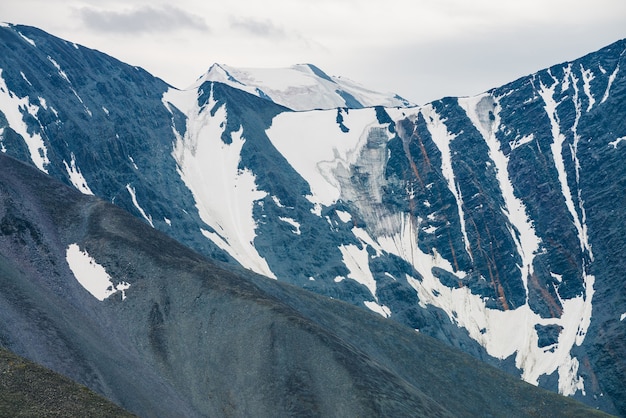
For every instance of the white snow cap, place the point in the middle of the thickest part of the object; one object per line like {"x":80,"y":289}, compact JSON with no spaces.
{"x":301,"y":87}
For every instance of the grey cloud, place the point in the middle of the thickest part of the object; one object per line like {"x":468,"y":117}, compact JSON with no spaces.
{"x":262,"y":28}
{"x":427,"y":71}
{"x":141,"y":20}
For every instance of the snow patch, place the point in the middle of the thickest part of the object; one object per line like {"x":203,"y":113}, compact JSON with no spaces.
{"x":518,"y":142}
{"x":133,"y":163}
{"x":366,"y":239}
{"x":293,"y":223}
{"x":278,"y":202}
{"x":14,"y":108}
{"x":621,"y":318}
{"x":91,"y":275}
{"x":315,"y":147}
{"x":344,"y":216}
{"x":357,"y":261}
{"x":430,"y":229}
{"x":62,"y":73}
{"x":609,"y":84}
{"x":27,"y":39}
{"x":617,"y":141}
{"x":587,"y":77}
{"x":25,"y":79}
{"x":382,"y":310}
{"x":76,"y":177}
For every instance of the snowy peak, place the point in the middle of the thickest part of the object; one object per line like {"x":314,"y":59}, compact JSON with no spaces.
{"x":301,"y":87}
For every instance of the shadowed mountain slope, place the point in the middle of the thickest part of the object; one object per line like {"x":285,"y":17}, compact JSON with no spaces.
{"x":29,"y":390}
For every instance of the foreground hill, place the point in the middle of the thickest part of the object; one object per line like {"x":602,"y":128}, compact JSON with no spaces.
{"x":29,"y":390}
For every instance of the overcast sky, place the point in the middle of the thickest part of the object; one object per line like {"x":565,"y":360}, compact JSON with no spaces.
{"x":420,"y":49}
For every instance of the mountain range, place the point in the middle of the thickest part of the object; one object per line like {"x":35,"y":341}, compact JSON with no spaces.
{"x":493,"y":223}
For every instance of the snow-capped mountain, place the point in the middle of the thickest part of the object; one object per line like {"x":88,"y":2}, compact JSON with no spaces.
{"x":494,"y":223}
{"x":301,"y":87}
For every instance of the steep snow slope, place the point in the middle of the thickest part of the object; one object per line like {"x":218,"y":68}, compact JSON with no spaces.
{"x":209,"y":166}
{"x":301,"y":87}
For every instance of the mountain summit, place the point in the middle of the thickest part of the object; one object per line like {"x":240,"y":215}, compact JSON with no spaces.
{"x":301,"y":87}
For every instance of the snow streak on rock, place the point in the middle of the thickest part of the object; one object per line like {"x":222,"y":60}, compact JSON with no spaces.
{"x":76,"y":176}
{"x":480,"y":110}
{"x":133,"y":196}
{"x":587,"y":78}
{"x":14,"y":109}
{"x":64,"y":76}
{"x":442,"y":138}
{"x":224,"y":193}
{"x":558,"y":137}
{"x":609,"y":84}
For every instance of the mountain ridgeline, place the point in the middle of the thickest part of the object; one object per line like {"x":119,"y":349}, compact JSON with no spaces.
{"x":494,"y":223}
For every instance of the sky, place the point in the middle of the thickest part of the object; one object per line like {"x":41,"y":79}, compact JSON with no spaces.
{"x":422,"y":50}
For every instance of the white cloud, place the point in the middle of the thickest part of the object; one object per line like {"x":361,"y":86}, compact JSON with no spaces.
{"x":421,"y":49}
